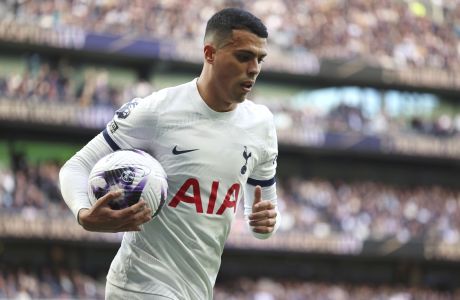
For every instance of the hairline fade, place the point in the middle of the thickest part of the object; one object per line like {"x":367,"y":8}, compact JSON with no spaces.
{"x":221,"y":25}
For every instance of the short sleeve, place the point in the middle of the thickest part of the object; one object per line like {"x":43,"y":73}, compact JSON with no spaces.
{"x":133,"y":125}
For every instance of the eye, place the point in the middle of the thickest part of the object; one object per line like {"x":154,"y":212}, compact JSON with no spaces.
{"x":260,"y":60}
{"x":243,"y":57}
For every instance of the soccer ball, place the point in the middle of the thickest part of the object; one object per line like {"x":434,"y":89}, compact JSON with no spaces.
{"x":134,"y":172}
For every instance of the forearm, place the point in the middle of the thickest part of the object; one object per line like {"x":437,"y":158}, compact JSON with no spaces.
{"x":73,"y":176}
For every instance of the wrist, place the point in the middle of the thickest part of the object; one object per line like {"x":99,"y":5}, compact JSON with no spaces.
{"x":81,"y":215}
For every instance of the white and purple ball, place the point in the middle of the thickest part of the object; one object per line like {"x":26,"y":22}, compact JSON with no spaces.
{"x":136,"y":173}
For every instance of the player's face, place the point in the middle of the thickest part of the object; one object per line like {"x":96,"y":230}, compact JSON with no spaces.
{"x":237,"y":65}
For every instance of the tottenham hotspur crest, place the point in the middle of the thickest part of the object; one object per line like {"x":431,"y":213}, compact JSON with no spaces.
{"x":246,"y":157}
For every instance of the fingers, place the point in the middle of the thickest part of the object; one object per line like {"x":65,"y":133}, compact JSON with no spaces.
{"x":262,"y":215}
{"x":104,"y":219}
{"x":262,"y":205}
{"x":263,"y":222}
{"x":104,"y":200}
{"x":263,"y":229}
{"x":266,"y":222}
{"x":135,"y":215}
{"x":142,"y":217}
{"x":126,"y":212}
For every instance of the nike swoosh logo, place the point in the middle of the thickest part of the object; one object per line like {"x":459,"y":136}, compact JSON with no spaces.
{"x":177,"y":152}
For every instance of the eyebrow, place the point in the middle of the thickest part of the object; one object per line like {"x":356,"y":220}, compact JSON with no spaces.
{"x":252,"y":53}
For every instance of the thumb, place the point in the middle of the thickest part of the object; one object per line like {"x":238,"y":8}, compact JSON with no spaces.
{"x":257,"y":196}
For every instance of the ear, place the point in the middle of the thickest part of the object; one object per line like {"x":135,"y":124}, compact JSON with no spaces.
{"x":209,"y":53}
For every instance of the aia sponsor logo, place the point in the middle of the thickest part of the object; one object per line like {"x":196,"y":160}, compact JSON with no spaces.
{"x":189,"y":193}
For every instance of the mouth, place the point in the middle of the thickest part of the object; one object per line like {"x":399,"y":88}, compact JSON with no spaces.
{"x":247,"y":85}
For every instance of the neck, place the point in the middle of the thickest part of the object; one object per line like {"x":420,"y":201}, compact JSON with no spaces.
{"x":210,"y":94}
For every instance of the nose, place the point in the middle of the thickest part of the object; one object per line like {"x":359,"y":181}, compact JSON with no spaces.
{"x":254,"y":67}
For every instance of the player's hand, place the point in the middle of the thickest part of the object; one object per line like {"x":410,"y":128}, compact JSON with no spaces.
{"x":100,"y":217}
{"x":263,"y":217}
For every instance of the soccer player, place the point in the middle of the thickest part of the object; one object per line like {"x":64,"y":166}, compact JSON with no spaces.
{"x":216,"y":146}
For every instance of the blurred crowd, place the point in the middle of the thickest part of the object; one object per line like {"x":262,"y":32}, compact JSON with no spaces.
{"x":49,"y":283}
{"x":88,"y":89}
{"x":268,"y":289}
{"x":59,"y":82}
{"x":27,"y":187}
{"x":64,"y":283}
{"x":370,"y":210}
{"x":430,"y":134}
{"x":391,"y":34}
{"x":324,"y":209}
{"x":350,"y":119}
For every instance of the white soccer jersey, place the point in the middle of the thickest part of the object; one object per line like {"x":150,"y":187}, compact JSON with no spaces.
{"x":209,"y":158}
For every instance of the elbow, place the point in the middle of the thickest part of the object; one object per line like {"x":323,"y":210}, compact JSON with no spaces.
{"x":62,"y":173}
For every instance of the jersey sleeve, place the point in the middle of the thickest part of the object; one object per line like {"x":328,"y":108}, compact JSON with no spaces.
{"x":264,"y":176}
{"x":265,"y":170}
{"x":132,"y":125}
{"x":73,"y":176}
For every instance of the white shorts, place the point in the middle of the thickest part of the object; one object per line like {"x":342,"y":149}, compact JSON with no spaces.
{"x":113,"y":292}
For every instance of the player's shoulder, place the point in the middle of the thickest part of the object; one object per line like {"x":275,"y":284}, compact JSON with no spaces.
{"x":258,"y":121}
{"x":167,"y":97}
{"x":255,"y":111}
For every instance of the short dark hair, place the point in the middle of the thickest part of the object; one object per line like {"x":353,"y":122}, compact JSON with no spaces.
{"x":223,"y":22}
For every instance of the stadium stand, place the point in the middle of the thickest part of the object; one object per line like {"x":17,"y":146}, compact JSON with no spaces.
{"x":316,"y":208}
{"x":92,"y":94}
{"x":62,"y":283}
{"x":390,"y":34}
{"x":354,"y":85}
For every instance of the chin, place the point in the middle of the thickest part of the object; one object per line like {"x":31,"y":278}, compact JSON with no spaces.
{"x":240,"y":98}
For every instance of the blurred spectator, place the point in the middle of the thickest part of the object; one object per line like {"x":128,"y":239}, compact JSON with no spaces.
{"x":63,"y":283}
{"x":268,"y":289}
{"x":45,"y":82}
{"x":315,"y":207}
{"x":390,"y":34}
{"x":371,"y":210}
{"x":44,"y":283}
{"x":89,"y":98}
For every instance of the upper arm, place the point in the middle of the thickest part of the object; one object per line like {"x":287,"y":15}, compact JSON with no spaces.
{"x":264,"y":171}
{"x":132,"y":126}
